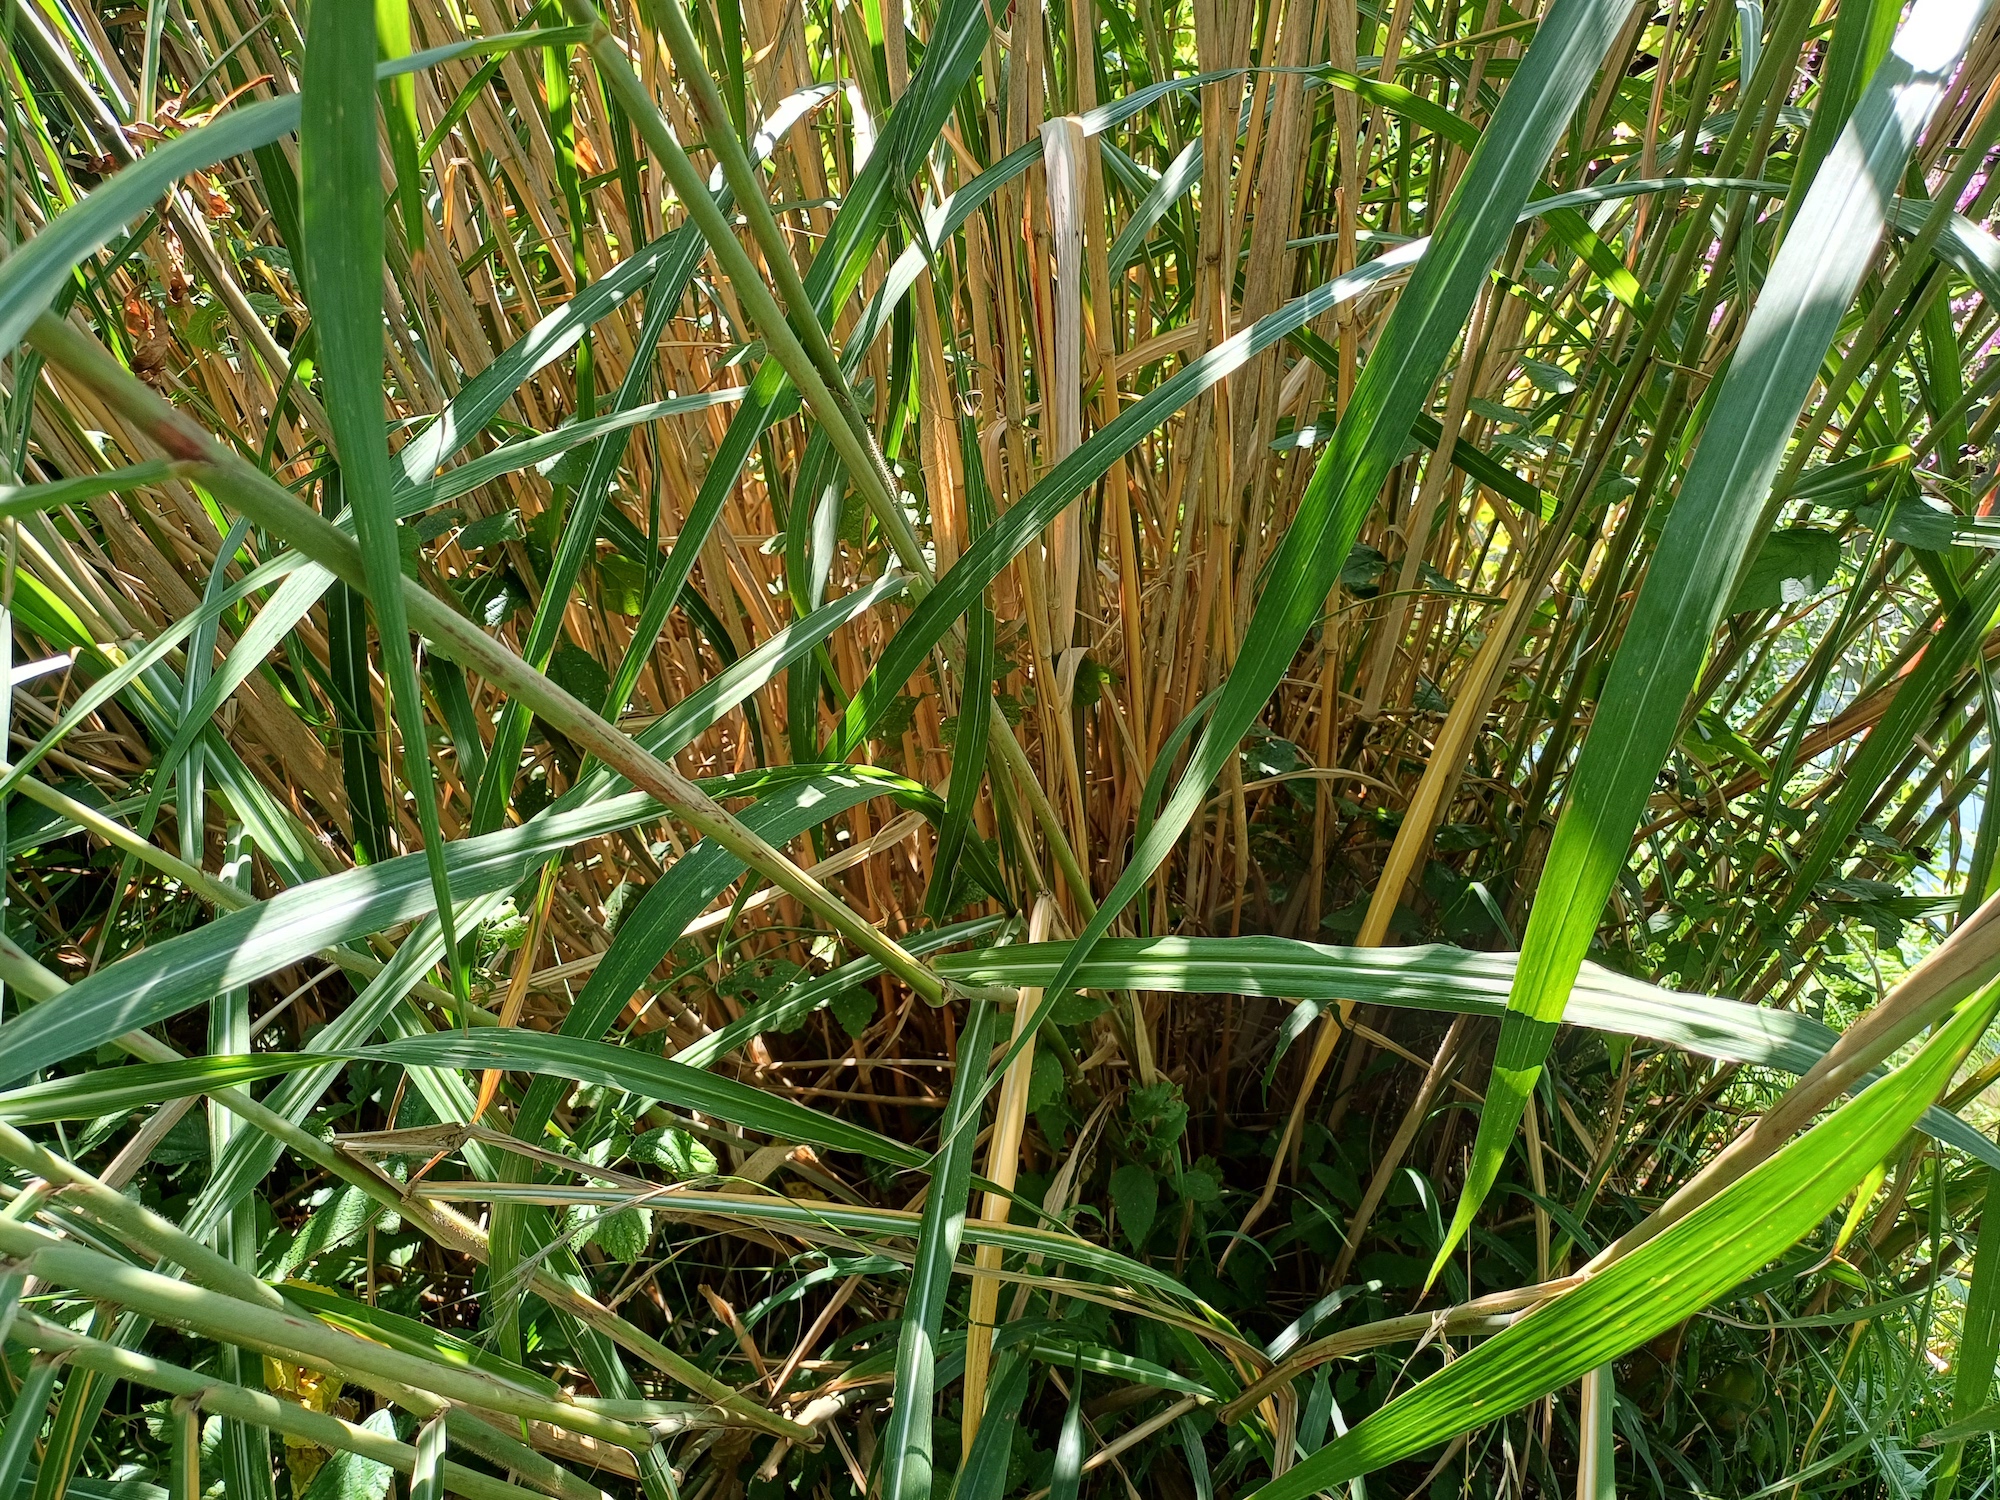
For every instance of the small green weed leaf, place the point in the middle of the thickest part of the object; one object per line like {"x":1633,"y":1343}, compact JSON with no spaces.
{"x":855,"y":1009}
{"x":1135,"y":1189}
{"x":1791,"y":567}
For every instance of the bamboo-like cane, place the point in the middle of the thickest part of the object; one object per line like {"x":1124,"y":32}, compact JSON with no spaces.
{"x":1003,"y":1161}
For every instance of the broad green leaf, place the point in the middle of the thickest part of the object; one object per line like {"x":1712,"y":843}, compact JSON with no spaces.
{"x":1135,"y":1191}
{"x":349,"y":1476}
{"x":1986,"y":1419}
{"x":399,"y":108}
{"x":353,"y":695}
{"x":1862,"y":33}
{"x":1792,"y":566}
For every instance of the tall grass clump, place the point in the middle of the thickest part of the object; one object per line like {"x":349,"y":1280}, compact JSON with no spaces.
{"x":847,"y":748}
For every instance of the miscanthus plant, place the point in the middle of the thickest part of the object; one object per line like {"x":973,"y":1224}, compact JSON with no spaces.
{"x":842,"y":748}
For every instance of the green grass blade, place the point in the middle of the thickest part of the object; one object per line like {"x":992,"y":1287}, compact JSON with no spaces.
{"x":906,"y":1452}
{"x":1095,"y":1358}
{"x":134,"y":668}
{"x":204,"y":1392}
{"x":32,"y":275}
{"x":410,"y":1335}
{"x":1862,"y":33}
{"x":866,"y":210}
{"x":340,"y":180}
{"x":17,"y":500}
{"x":246,"y":1450}
{"x":812,"y":522}
{"x":984,"y":1476}
{"x":1123,"y":1276}
{"x":1672,"y":1276}
{"x":399,"y":109}
{"x":354,"y":716}
{"x":251,"y":1156}
{"x":578,"y":545}
{"x":975,"y":686}
{"x":665,"y":590}
{"x":1978,"y":1341}
{"x":102,"y":1091}
{"x":1182,"y":173}
{"x":1027,"y":518}
{"x":1433,"y":977}
{"x":481,"y":398}
{"x":347,"y":641}
{"x":193,"y":800}
{"x":580,"y":1060}
{"x":788,"y":1009}
{"x":539,"y":448}
{"x":162,"y":980}
{"x":801,"y":799}
{"x":184,"y":1465}
{"x":1066,"y":1477}
{"x":17,"y":1440}
{"x":1711,"y":529}
{"x":1946,"y":655}
{"x":427,"y":1470}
